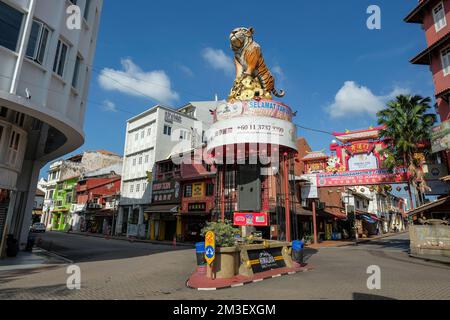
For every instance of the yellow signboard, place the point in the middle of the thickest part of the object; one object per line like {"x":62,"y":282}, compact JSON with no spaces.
{"x":197,"y":190}
{"x":210,"y":247}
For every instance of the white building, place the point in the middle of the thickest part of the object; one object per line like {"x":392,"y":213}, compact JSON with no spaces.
{"x":45,"y":70}
{"x":152,"y":136}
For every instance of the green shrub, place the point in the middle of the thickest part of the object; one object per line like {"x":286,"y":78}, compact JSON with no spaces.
{"x":224,"y":232}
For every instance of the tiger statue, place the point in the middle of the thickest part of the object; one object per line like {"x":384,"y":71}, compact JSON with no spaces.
{"x":252,"y":73}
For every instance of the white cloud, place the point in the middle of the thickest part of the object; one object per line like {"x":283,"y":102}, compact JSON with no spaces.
{"x":132,"y":80}
{"x":109,"y":106}
{"x":353,"y":99}
{"x":278,"y":72}
{"x":186,"y":70}
{"x":219,"y":60}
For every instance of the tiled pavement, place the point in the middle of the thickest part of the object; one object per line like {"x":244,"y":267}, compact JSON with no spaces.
{"x":339,"y":273}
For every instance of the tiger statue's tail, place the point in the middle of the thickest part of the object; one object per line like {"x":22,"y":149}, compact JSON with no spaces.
{"x":278,"y":94}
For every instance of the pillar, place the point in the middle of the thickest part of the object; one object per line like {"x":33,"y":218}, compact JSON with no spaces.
{"x":179,"y":227}
{"x":119,"y":221}
{"x":152,"y":229}
{"x":141,"y":215}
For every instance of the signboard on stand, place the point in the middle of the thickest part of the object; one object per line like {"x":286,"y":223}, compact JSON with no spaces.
{"x":266,"y":259}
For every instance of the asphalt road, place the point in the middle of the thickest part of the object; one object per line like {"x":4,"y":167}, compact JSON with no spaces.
{"x":81,"y":248}
{"x":112,"y":269}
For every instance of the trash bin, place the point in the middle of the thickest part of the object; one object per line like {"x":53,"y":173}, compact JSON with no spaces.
{"x":297,"y":251}
{"x":200,"y":252}
{"x":12,"y":246}
{"x":30,"y":242}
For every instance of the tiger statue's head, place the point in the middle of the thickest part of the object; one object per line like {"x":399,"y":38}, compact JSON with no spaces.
{"x":241,"y":37}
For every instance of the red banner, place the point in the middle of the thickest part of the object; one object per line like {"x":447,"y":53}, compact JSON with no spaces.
{"x":364,"y":177}
{"x":246,"y":219}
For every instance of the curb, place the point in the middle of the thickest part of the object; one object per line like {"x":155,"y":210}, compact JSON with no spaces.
{"x":250,"y":281}
{"x":431,"y":259}
{"x":53,"y":255}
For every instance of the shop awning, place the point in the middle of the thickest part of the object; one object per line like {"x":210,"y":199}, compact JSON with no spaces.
{"x":197,"y":214}
{"x":162,"y":208}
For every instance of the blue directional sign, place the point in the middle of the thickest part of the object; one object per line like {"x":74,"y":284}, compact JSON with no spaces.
{"x":210,"y":252}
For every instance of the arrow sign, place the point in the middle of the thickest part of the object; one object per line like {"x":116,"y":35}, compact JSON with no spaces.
{"x":210,"y":247}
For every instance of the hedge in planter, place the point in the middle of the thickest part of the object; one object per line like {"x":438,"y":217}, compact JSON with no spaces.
{"x":224,"y":231}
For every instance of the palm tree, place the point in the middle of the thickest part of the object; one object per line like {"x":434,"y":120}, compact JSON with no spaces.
{"x":408,"y":126}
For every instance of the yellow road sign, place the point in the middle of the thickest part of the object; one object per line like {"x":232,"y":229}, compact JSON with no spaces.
{"x":210,"y":247}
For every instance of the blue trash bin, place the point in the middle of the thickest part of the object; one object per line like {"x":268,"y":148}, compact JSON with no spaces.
{"x":297,"y":251}
{"x":200,"y":252}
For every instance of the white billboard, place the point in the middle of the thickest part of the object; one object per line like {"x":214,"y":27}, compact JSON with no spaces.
{"x":262,"y":130}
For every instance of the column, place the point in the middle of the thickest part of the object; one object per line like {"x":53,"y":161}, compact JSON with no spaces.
{"x":119,"y":221}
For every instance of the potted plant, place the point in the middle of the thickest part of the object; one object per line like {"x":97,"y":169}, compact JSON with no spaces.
{"x":224,"y":231}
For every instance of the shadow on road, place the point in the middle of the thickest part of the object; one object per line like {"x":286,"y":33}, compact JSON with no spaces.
{"x":389,"y":243}
{"x":80,"y":248}
{"x":59,"y":291}
{"x":366,"y":296}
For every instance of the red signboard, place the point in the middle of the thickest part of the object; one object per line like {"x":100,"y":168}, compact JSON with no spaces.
{"x":364,"y":177}
{"x":255,"y":219}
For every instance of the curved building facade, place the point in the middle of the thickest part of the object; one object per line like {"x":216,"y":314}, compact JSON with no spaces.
{"x":46,"y":54}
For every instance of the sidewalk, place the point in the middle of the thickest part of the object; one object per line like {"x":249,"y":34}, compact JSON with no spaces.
{"x":37,"y":259}
{"x":123,"y":238}
{"x":343,"y":243}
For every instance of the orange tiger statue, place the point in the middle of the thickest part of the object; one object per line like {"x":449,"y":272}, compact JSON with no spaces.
{"x":253,"y":78}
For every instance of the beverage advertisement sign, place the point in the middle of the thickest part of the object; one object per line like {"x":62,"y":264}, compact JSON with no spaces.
{"x":440,"y":137}
{"x":248,"y":219}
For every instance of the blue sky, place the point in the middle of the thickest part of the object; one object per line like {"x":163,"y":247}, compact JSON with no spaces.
{"x":335,"y":71}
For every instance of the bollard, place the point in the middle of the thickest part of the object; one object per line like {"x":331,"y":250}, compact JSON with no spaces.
{"x":201,"y":262}
{"x":297,"y":253}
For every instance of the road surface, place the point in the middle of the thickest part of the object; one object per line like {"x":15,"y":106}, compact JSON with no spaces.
{"x":113,"y":269}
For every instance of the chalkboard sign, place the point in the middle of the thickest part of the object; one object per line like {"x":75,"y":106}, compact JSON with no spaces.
{"x":266,"y":259}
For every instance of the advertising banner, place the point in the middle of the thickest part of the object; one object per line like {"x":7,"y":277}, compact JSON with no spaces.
{"x":309,"y":189}
{"x":262,"y":130}
{"x":249,"y":219}
{"x":263,"y":108}
{"x":440,"y":138}
{"x":363,"y":177}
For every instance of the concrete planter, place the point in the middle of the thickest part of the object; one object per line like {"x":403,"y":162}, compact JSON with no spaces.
{"x":232,"y":261}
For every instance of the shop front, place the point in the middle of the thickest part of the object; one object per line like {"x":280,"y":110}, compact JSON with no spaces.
{"x":60,"y":220}
{"x":193,"y":221}
{"x":163,"y":222}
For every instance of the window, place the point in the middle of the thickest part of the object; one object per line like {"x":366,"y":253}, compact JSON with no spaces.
{"x":76,"y":72}
{"x":60,"y":58}
{"x":149,"y":131}
{"x":3,"y":112}
{"x":184,"y":135}
{"x":168,"y":130}
{"x":37,"y":44}
{"x":445,"y":56}
{"x":138,"y":187}
{"x":209,"y":189}
{"x":11,"y":25}
{"x":1,"y":133}
{"x":146,"y":158}
{"x":134,"y":161}
{"x":188,"y":191}
{"x":140,"y":160}
{"x":13,"y":148}
{"x":439,"y":17}
{"x":132,"y":188}
{"x":136,"y":136}
{"x":19,"y":119}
